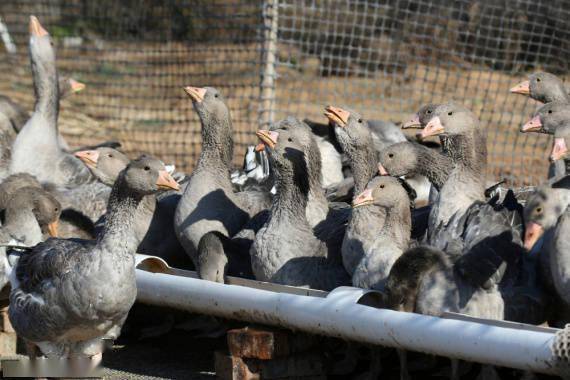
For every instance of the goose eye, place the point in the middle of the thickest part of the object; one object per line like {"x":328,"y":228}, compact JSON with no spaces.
{"x":538,"y":79}
{"x":391,"y":155}
{"x":56,"y":209}
{"x":110,"y":156}
{"x":290,"y":139}
{"x":381,"y":186}
{"x":360,"y":120}
{"x":147,"y":168}
{"x":215,"y":95}
{"x":539,"y":210}
{"x":428,"y":112}
{"x":450,"y":113}
{"x":549,"y":111}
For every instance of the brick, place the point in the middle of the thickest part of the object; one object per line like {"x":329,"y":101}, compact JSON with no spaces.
{"x":258,"y":343}
{"x":234,"y":368}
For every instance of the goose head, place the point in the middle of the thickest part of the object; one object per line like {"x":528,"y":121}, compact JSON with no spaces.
{"x":420,"y":118}
{"x":548,"y":118}
{"x":105,"y":163}
{"x":541,"y":86}
{"x":148,"y":175}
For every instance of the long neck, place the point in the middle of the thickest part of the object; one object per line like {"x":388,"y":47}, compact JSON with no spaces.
{"x":46,"y":89}
{"x":364,"y":164}
{"x":393,"y":224}
{"x":433,"y":165}
{"x":318,"y":206}
{"x":118,"y":233}
{"x":22,"y":224}
{"x":217,"y":141}
{"x":462,"y":151}
{"x":290,"y":201}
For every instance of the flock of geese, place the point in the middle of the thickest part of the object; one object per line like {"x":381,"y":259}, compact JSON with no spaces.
{"x":317,"y":205}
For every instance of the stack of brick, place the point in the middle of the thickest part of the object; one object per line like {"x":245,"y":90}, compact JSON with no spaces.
{"x":259,"y":353}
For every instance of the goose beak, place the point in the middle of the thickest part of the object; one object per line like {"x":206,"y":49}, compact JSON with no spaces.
{"x":36,"y":28}
{"x":267,"y":138}
{"x":533,"y":125}
{"x":52,"y":228}
{"x":75,"y":85}
{"x":166,"y":182}
{"x":337,"y":115}
{"x":559,"y":149}
{"x":382,"y":170}
{"x":533,"y":232}
{"x":89,"y":157}
{"x":522,"y":88}
{"x":433,"y":128}
{"x":413,"y":122}
{"x":196,"y":93}
{"x":363,"y":199}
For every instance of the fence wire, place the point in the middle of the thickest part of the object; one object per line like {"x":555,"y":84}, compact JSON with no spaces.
{"x":274,"y":58}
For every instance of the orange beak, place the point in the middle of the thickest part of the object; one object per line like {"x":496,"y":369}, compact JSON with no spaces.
{"x":363,"y":199}
{"x":522,"y":88}
{"x":75,"y":85}
{"x":559,"y":149}
{"x":382,"y":170}
{"x":413,"y":122}
{"x":89,"y":157}
{"x":166,"y":182}
{"x":36,"y":28}
{"x":337,"y":115}
{"x":433,"y":128}
{"x":533,"y":125}
{"x":196,"y":93}
{"x":533,"y":232}
{"x":52,"y":228}
{"x":267,"y":138}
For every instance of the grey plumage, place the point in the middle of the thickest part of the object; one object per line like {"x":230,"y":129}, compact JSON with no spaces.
{"x":36,"y":149}
{"x":286,"y":249}
{"x":153,"y":227}
{"x":209,"y":202}
{"x":381,"y":227}
{"x":68,"y":294}
{"x":30,"y":214}
{"x":408,"y":158}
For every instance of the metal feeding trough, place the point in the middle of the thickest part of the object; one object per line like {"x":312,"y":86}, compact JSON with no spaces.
{"x":350,"y":313}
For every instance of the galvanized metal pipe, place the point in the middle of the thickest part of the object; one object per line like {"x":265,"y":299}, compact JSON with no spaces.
{"x":338,"y":315}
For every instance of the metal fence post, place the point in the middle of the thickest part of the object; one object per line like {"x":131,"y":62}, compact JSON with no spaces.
{"x":268,"y":59}
{"x":6,"y":38}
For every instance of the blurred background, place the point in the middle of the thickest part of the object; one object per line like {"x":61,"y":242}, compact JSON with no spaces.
{"x":275,"y":58}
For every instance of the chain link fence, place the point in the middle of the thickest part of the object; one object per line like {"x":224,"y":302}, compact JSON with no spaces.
{"x":274,"y":58}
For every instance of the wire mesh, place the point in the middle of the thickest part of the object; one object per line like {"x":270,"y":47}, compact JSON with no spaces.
{"x":385,"y":59}
{"x":135,"y":57}
{"x":274,"y":58}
